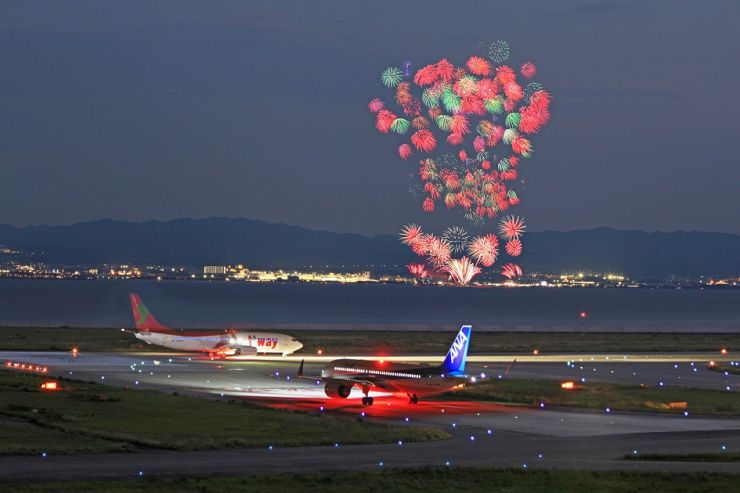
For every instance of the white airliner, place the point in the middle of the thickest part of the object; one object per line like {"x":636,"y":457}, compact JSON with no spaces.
{"x":217,"y":343}
{"x":341,"y":375}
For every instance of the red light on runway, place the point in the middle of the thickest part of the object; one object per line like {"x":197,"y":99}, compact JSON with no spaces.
{"x":19,"y":365}
{"x":536,"y":352}
{"x":75,"y":351}
{"x":568,"y":385}
{"x":583,"y":314}
{"x":320,"y":351}
{"x":724,"y":351}
{"x":384,"y":407}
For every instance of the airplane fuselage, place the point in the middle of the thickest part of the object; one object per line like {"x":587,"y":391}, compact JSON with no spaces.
{"x":214,"y":341}
{"x":395,"y":377}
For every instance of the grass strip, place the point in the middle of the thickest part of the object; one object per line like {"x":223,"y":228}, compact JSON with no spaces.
{"x":453,"y":480}
{"x":346,"y":342}
{"x":598,"y":395}
{"x":134,"y":418}
{"x":699,"y":457}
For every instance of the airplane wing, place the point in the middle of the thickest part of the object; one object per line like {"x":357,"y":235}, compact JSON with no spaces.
{"x":242,"y":350}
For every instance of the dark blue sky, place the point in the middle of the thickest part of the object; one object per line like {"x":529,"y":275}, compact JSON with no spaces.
{"x":157,"y":110}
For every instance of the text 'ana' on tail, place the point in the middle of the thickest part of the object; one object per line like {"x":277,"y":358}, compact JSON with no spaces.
{"x":143,"y":318}
{"x":455,"y":361}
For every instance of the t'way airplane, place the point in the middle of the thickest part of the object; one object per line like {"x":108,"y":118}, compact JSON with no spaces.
{"x":341,"y":375}
{"x":217,"y":343}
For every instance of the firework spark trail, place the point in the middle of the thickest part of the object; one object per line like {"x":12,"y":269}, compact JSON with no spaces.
{"x":462,"y":270}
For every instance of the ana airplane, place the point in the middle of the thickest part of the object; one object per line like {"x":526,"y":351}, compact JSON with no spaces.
{"x":341,"y":375}
{"x":217,"y":343}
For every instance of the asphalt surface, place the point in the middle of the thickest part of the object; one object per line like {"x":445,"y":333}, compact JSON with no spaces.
{"x":484,"y":434}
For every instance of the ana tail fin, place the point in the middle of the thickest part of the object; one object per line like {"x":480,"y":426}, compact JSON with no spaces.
{"x":455,"y":361}
{"x":143,"y":318}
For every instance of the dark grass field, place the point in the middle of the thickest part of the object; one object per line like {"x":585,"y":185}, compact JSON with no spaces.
{"x":90,"y":417}
{"x":387,"y":342}
{"x":453,"y":480}
{"x":593,"y":395}
{"x":707,"y":457}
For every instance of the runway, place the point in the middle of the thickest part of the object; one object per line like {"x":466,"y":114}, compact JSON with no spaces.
{"x":484,"y":433}
{"x":265,"y":376}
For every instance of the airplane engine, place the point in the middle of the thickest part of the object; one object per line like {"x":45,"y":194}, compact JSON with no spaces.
{"x":334,"y":390}
{"x":247,"y":350}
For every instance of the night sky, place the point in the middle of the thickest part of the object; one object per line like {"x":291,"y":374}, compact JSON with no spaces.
{"x":160,"y":110}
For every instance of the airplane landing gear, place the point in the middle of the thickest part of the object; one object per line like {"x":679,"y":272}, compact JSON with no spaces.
{"x":413,"y":399}
{"x":367,"y":400}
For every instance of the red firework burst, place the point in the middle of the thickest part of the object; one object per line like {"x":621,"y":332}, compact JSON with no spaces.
{"x":428,"y":205}
{"x":513,"y":92}
{"x":405,"y":151}
{"x":484,"y":249}
{"x":514,"y":247}
{"x":511,"y":271}
{"x":384,"y":120}
{"x":421,"y":245}
{"x":504,"y":75}
{"x":411,"y":233}
{"x":424,"y":140}
{"x":522,"y":146}
{"x":473,"y":105}
{"x":445,"y":69}
{"x":479,"y":66}
{"x":460,"y":124}
{"x":418,"y":270}
{"x":528,"y":70}
{"x":511,"y":227}
{"x":419,"y":122}
{"x":487,"y":89}
{"x":439,"y":251}
{"x":536,"y":114}
{"x":479,"y":144}
{"x":375,"y":105}
{"x":455,"y":139}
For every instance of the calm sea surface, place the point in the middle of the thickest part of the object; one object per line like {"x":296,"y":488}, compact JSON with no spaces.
{"x":191,"y":304}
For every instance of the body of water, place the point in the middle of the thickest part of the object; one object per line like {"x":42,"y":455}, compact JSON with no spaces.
{"x":196,"y":304}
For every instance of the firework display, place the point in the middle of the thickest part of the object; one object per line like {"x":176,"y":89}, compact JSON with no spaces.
{"x":470,"y":128}
{"x":418,"y":270}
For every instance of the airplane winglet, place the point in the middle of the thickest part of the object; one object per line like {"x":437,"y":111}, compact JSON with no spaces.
{"x":300,"y":369}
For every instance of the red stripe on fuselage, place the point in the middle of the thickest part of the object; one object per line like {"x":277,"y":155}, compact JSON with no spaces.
{"x":187,"y":333}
